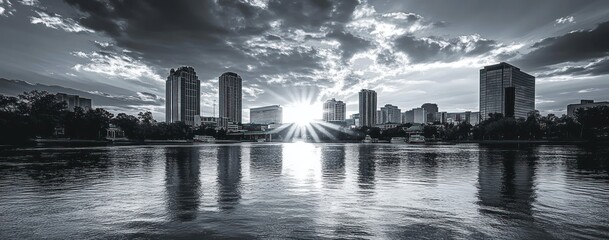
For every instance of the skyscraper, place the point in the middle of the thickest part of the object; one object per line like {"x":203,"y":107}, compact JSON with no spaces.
{"x":230,"y":97}
{"x":266,"y":115}
{"x":334,"y":111}
{"x":431,"y":109}
{"x":507,"y":90}
{"x":182,"y":96}
{"x":391,"y":114}
{"x":367,"y":107}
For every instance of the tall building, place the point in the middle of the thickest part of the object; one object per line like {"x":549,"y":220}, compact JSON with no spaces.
{"x":367,"y":107}
{"x":420,"y":115}
{"x":431,"y":109}
{"x":571,"y":108}
{"x":266,"y":115}
{"x":378,"y":117}
{"x":408,"y":116}
{"x":391,"y":114}
{"x":73,"y":101}
{"x":230,"y":96}
{"x":334,"y":111}
{"x":507,"y":90}
{"x":182,"y":96}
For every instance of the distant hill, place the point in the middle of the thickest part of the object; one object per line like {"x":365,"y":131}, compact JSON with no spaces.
{"x":16,"y":87}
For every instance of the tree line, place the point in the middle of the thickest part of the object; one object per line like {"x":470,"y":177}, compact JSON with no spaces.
{"x":38,"y":114}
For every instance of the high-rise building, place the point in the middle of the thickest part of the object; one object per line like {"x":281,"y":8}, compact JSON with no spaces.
{"x":420,"y":115}
{"x":266,"y":115}
{"x":230,"y":97}
{"x":431,"y":109}
{"x":182,"y":96}
{"x":378,"y":117}
{"x":391,"y":114}
{"x":73,"y":101}
{"x":334,"y":111}
{"x":507,"y":90}
{"x":367,"y":107}
{"x":408,"y":116}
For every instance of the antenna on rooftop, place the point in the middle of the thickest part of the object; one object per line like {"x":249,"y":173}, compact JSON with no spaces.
{"x":214,"y":110}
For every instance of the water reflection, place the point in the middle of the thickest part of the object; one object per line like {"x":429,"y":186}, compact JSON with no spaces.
{"x":506,"y":181}
{"x":266,"y":160}
{"x":182,"y":184}
{"x":229,"y":176}
{"x":333,"y":164}
{"x":366,"y":166}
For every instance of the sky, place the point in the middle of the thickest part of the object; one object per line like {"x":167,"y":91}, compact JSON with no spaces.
{"x":307,"y":51}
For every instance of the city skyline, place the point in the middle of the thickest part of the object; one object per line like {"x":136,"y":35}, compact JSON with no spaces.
{"x":409,"y":52}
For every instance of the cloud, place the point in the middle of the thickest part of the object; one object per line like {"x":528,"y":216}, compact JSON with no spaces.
{"x":57,"y":22}
{"x":573,"y":47}
{"x":112,"y":64}
{"x":434,"y":49}
{"x":563,"y":20}
{"x":6,"y":8}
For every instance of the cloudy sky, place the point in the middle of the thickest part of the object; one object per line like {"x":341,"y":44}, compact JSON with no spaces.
{"x":410,"y":52}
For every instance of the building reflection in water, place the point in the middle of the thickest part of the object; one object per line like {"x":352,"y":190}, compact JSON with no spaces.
{"x":366,"y":166}
{"x":266,"y":160}
{"x":182,"y":182}
{"x":229,"y":176}
{"x":506,"y":181}
{"x":333,"y":163}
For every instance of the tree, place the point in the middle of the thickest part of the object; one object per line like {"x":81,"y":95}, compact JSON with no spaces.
{"x":129,"y":124}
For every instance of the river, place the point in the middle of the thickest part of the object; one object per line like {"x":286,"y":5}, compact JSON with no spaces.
{"x":306,"y":190}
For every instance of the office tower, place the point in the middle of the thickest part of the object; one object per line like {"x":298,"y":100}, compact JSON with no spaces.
{"x":507,"y":90}
{"x":367,"y":107}
{"x":378,"y":117}
{"x":266,"y":115}
{"x":230,"y":97}
{"x":391,"y":114}
{"x":73,"y":101}
{"x":182,"y":96}
{"x":420,"y":115}
{"x":571,"y":108}
{"x":408,"y":116}
{"x":431,"y":109}
{"x":334,"y":111}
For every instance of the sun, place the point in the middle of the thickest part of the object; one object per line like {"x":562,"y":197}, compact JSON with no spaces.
{"x":302,"y":113}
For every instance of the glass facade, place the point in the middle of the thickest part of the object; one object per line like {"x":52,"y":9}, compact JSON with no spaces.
{"x":266,"y":115}
{"x":230,"y":96}
{"x":182,"y":96}
{"x":507,"y":90}
{"x":367,"y":107}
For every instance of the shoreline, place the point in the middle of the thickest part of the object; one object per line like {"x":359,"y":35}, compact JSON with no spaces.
{"x":59,"y":143}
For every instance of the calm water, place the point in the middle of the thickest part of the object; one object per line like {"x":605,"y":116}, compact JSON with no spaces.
{"x":301,"y":190}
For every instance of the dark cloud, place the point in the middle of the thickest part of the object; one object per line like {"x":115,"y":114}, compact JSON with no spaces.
{"x":596,"y":68}
{"x":438,"y":49}
{"x":215,"y":35}
{"x":583,"y":45}
{"x":349,"y":43}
